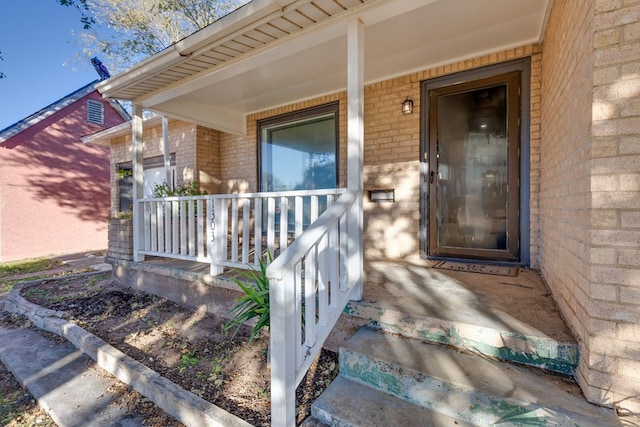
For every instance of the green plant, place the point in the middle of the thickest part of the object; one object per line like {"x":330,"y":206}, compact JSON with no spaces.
{"x":121,"y":172}
{"x":188,"y":189}
{"x":26,"y":266}
{"x":124,"y":215}
{"x":188,"y":360}
{"x":254,"y":303}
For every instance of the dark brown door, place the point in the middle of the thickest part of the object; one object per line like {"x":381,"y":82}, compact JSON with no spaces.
{"x":473,"y":169}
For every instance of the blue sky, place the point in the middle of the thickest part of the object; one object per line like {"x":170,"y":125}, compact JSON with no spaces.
{"x":36,"y":41}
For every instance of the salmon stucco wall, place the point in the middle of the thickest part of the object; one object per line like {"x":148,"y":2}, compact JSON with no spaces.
{"x":54,"y":190}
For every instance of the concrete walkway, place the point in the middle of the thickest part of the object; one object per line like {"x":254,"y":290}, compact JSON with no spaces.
{"x":64,"y":381}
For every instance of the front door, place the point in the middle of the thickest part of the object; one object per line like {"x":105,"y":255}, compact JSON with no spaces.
{"x":472,"y":152}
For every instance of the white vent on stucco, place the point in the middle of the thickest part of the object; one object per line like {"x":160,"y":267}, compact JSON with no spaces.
{"x":95,"y":112}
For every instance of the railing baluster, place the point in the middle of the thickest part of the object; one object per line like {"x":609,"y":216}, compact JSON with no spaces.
{"x":191,"y":228}
{"x":271,"y":225}
{"x":175,"y":221}
{"x":310,"y":269}
{"x":234,"y":230}
{"x":154,"y":227}
{"x":299,"y":215}
{"x":160,"y":216}
{"x":323,"y":273}
{"x":224,"y":229}
{"x":344,"y":245}
{"x":183,"y":224}
{"x":257,"y":235}
{"x":201,"y":236}
{"x":298,"y":314}
{"x":314,"y":209}
{"x":333,"y":247}
{"x":284,"y":223}
{"x":246,"y":224}
{"x":167,"y":227}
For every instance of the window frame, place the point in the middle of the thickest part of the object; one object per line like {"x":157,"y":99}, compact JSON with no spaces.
{"x":301,"y":115}
{"x":127,"y":180}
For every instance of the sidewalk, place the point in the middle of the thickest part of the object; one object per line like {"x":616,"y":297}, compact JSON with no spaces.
{"x":70,"y":264}
{"x":64,"y":381}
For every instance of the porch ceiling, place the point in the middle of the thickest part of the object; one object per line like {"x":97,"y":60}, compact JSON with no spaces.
{"x":271,"y":53}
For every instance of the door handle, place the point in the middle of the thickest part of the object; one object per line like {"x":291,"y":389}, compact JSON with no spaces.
{"x":431,"y":174}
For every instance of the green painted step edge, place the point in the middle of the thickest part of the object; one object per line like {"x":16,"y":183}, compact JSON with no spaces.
{"x":548,"y":354}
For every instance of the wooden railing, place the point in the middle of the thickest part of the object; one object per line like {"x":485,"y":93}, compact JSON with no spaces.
{"x":315,"y":240}
{"x":228,"y":230}
{"x":309,"y":286}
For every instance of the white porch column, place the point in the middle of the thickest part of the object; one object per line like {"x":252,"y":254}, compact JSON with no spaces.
{"x":165,"y":147}
{"x":138,"y":178}
{"x":355,"y":151}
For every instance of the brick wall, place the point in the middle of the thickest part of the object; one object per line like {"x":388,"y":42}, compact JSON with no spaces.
{"x":120,"y":238}
{"x":182,"y":140}
{"x":590,"y":183}
{"x":391,"y":156}
{"x":208,"y":159}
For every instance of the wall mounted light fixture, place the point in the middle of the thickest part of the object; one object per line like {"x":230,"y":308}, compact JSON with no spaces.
{"x":407,"y":106}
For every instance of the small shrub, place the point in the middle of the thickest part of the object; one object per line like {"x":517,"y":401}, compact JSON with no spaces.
{"x":254,"y":303}
{"x":188,"y":189}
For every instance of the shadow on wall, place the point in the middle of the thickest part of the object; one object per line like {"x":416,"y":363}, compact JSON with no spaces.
{"x":391,"y":229}
{"x":60,"y":168}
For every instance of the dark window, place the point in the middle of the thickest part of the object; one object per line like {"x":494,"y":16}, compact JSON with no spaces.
{"x":299,"y":151}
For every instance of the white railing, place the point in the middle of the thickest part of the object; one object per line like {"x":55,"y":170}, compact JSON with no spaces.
{"x":309,"y":286}
{"x":175,"y":227}
{"x":228,"y":230}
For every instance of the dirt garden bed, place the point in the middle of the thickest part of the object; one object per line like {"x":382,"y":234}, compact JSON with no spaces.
{"x":188,"y":347}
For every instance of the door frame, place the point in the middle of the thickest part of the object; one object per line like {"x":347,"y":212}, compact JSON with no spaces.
{"x":522,"y":65}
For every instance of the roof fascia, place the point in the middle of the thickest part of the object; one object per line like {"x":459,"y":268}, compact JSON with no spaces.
{"x":179,"y":51}
{"x":104,"y":136}
{"x":45,"y":112}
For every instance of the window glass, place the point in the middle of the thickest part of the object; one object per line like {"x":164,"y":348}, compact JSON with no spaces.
{"x":299,"y":152}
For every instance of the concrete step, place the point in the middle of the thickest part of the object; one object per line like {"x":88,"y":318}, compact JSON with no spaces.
{"x":521,"y":345}
{"x":347,"y":403}
{"x":466,"y":387}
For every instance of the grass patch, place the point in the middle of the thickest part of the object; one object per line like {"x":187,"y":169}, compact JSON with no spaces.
{"x":27,"y":266}
{"x":7,"y":285}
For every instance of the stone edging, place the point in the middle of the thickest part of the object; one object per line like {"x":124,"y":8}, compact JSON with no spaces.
{"x":185,"y":406}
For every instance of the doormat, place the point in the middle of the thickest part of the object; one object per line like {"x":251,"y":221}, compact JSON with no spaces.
{"x":497,"y":270}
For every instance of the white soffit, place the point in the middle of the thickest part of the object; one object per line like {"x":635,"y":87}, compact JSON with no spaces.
{"x":401,"y":36}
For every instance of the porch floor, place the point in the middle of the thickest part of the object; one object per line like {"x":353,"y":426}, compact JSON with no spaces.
{"x":521,"y":304}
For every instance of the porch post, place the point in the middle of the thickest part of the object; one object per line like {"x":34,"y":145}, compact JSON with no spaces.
{"x":138,"y":178}
{"x":355,"y":150}
{"x":165,"y":147}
